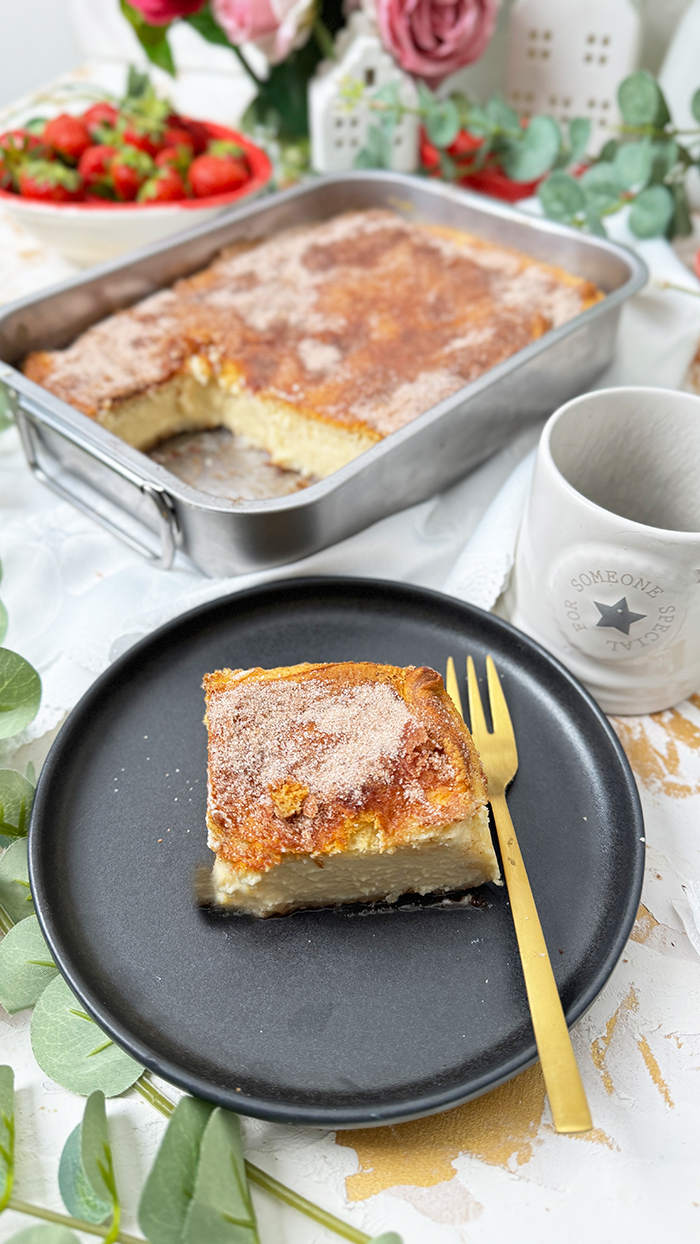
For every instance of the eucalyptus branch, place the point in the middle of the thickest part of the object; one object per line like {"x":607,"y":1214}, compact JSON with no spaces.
{"x":78,"y":1224}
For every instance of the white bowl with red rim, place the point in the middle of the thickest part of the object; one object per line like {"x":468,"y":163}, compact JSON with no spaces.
{"x":89,"y":233}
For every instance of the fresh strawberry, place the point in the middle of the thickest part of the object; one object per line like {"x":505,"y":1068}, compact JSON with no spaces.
{"x":211,"y":174}
{"x":94,"y":166}
{"x":197,"y":130}
{"x":50,"y":181}
{"x":19,"y":143}
{"x":178,"y":158}
{"x":148,"y":140}
{"x":465,"y":144}
{"x":166,"y":186}
{"x":129,"y":169}
{"x":176,"y":136}
{"x":68,"y":136}
{"x":99,"y":116}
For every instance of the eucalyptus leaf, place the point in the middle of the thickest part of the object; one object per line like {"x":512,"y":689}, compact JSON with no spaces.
{"x":633,"y":163}
{"x":169,"y":1188}
{"x":15,"y":895}
{"x":478,"y":123}
{"x":20,"y":693}
{"x":70,"y":1047}
{"x":442,"y":123}
{"x":579,"y":136}
{"x":534,"y":154}
{"x":46,"y":1233}
{"x":695,"y":105}
{"x":3,"y":618}
{"x":153,"y":39}
{"x":593,"y":223}
{"x":16,"y":798}
{"x":376,"y":152}
{"x":221,"y":1211}
{"x":608,"y":150}
{"x":561,"y":197}
{"x":651,"y":212}
{"x":6,"y":419}
{"x":501,"y":115}
{"x":7,"y":1134}
{"x":95,"y":1150}
{"x":664,"y":157}
{"x":641,"y":100}
{"x":602,"y":187}
{"x":26,"y":966}
{"x":74,"y":1186}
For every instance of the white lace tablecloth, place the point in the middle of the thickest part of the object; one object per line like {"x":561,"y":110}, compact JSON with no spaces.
{"x":494,"y":1169}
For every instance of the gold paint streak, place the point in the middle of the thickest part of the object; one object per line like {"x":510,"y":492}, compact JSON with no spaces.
{"x":654,"y":1070}
{"x":599,"y":1047}
{"x":673,"y":1036}
{"x":644,"y":925}
{"x":661,"y":768}
{"x":496,"y":1128}
{"x":597,"y":1136}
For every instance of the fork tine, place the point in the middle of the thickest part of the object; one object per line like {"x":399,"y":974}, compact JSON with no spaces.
{"x":476,"y":711}
{"x":453,"y":687}
{"x":500,"y":715}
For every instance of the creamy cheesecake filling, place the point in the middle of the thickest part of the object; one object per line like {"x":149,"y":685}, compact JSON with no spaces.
{"x":456,"y":857}
{"x":295,"y":439}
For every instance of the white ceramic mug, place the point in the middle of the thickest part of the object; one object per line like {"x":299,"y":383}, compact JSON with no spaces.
{"x":607,"y":570}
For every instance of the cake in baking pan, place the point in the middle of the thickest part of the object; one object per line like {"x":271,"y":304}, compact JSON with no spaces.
{"x":340,"y":783}
{"x":315,"y":343}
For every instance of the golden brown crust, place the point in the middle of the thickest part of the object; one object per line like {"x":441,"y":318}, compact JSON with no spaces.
{"x":304,"y":758}
{"x":365,"y":320}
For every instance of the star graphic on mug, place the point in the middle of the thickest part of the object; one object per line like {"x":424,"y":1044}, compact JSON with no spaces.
{"x":618,"y":615}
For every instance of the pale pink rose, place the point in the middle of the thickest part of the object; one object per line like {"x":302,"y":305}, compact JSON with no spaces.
{"x":275,"y":26}
{"x":432,"y":38}
{"x":160,"y":12}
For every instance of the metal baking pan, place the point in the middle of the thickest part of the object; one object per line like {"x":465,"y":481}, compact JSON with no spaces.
{"x":157,"y":513}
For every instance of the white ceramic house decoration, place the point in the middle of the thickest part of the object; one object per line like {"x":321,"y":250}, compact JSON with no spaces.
{"x":567,"y":58}
{"x":337,"y":135}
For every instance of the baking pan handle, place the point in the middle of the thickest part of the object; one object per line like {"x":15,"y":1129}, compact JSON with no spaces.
{"x":168,"y":530}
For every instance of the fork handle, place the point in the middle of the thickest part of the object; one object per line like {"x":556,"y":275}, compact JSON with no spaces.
{"x":567,"y":1097}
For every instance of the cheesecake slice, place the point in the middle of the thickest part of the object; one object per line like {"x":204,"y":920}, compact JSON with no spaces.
{"x":340,"y":783}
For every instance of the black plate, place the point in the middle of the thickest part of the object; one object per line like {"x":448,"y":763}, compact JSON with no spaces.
{"x":325,"y":1018}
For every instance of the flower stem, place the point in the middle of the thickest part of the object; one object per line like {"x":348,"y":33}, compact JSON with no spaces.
{"x":682,"y":289}
{"x":145,"y":1086}
{"x":50,"y":1215}
{"x":324,"y":39}
{"x":6,"y":922}
{"x":250,"y":72}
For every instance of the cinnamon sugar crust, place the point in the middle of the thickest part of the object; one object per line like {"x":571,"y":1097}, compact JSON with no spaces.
{"x":317,"y":759}
{"x":364,"y":321}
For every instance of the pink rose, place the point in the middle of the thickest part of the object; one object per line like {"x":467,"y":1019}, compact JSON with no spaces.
{"x":275,"y":26}
{"x":160,"y":12}
{"x":432,"y":38}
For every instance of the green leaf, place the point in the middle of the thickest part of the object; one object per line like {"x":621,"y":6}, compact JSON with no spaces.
{"x":26,"y":966}
{"x":6,"y":417}
{"x":594,"y":224}
{"x":3,"y":618}
{"x":7,"y":1134}
{"x":602,"y":187}
{"x":579,"y":135}
{"x":561,"y":197}
{"x":641,"y":100}
{"x":633,"y":163}
{"x":71,"y":1048}
{"x":15,"y":896}
{"x":376,"y":152}
{"x":388,"y":1237}
{"x":169,"y":1189}
{"x":221,"y":1211}
{"x":206,"y":26}
{"x":500,"y":115}
{"x":651,"y":212}
{"x":96,"y":1152}
{"x":442,"y":123}
{"x":20,"y":693}
{"x":479,"y":123}
{"x":531,"y":156}
{"x":47,"y":1233}
{"x":608,"y":151}
{"x":664,"y":156}
{"x":16,"y":798}
{"x":76,"y":1191}
{"x":695,"y":105}
{"x":153,"y":39}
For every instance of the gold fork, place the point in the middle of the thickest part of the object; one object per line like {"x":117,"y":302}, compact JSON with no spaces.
{"x":499,"y":756}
